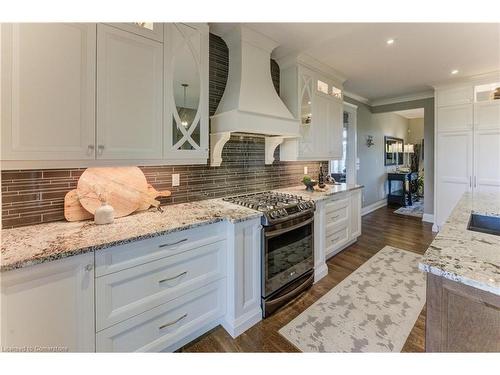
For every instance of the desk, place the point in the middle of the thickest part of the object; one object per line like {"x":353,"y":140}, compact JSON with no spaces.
{"x":401,"y":188}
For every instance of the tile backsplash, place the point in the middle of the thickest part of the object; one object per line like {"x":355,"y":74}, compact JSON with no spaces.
{"x":37,"y":196}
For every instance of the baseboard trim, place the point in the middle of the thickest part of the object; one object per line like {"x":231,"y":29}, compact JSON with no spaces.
{"x":244,"y":322}
{"x":320,"y":272}
{"x":428,"y":218}
{"x":374,"y":206}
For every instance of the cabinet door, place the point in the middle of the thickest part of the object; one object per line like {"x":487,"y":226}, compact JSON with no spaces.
{"x":186,"y":92}
{"x":454,"y":171}
{"x":48,"y":91}
{"x":129,"y":95}
{"x":306,"y":127}
{"x":320,"y":126}
{"x":487,"y":160}
{"x":454,"y":95}
{"x":487,"y":115}
{"x":335,"y":129}
{"x":50,"y":306}
{"x":455,"y":118}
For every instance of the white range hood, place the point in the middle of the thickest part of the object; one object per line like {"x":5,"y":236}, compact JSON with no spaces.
{"x":250,"y":103}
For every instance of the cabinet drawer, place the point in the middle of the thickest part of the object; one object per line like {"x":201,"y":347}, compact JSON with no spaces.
{"x":336,"y":204}
{"x":130,"y":292}
{"x":336,"y":237}
{"x":161,"y":328}
{"x":337,"y":215}
{"x":121,"y":257}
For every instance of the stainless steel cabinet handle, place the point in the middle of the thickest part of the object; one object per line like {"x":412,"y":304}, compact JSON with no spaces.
{"x":173,"y":322}
{"x":100,"y":149}
{"x":335,"y":239}
{"x":89,"y":267}
{"x":475,"y":182}
{"x":334,"y":217}
{"x":470,"y":182}
{"x":90,"y":149}
{"x":173,"y":243}
{"x":173,"y":278}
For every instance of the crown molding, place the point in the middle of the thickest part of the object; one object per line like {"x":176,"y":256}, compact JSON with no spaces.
{"x":403,"y":98}
{"x":313,"y":64}
{"x":469,"y":80}
{"x":357,"y":97}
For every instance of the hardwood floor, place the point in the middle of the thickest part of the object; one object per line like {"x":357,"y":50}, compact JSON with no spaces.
{"x":380,"y":228}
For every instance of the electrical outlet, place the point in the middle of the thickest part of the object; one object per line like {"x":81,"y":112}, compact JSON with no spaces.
{"x":176,"y":179}
{"x":305,"y":170}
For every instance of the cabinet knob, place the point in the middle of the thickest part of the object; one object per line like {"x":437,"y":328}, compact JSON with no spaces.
{"x":89,"y":267}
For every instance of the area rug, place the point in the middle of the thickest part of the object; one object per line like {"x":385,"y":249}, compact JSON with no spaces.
{"x":372,"y":310}
{"x":416,"y":210}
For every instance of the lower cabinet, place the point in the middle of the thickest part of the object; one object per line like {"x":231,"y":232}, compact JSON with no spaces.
{"x":49,"y":307}
{"x":337,"y":225}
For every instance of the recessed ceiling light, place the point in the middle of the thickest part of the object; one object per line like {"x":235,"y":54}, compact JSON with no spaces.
{"x":390,"y":41}
{"x":454,"y":71}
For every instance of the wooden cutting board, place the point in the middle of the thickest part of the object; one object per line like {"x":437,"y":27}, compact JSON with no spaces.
{"x":153,"y":193}
{"x":124,"y":187}
{"x":73,"y":210}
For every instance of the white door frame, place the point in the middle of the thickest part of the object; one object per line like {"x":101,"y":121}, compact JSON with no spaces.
{"x":352,"y":143}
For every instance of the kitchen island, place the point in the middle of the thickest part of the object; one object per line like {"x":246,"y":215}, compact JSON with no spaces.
{"x":463,"y":281}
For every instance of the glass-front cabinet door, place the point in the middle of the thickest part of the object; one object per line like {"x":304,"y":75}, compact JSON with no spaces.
{"x":306,"y":117}
{"x":151,"y":30}
{"x":186,"y":125}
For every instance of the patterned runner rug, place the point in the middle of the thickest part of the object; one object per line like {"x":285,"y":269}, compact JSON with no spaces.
{"x":372,"y":310}
{"x":416,"y":210}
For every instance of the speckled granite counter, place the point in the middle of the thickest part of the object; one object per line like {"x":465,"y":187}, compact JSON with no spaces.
{"x":468,"y":257}
{"x":320,"y":195}
{"x":35,"y":244}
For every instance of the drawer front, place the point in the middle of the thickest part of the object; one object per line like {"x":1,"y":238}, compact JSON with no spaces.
{"x":121,"y":257}
{"x":130,"y":292}
{"x":159,"y":329}
{"x":336,"y":237}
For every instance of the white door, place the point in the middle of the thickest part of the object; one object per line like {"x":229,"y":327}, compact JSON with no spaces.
{"x":335,"y":129}
{"x":454,"y":171}
{"x":487,"y":160}
{"x":129,"y":95}
{"x":48,"y":91}
{"x":50,"y":306}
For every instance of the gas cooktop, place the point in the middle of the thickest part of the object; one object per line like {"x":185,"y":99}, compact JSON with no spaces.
{"x":276,"y":207}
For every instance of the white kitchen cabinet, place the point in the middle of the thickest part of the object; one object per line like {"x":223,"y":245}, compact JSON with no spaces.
{"x":129,"y":95}
{"x":186,"y":92}
{"x":467,"y":146}
{"x":337,"y":224}
{"x":315,"y":98}
{"x":48,"y":91}
{"x":50,"y":306}
{"x":487,"y":160}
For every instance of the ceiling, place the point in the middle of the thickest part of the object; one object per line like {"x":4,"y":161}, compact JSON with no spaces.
{"x":422,"y":54}
{"x":411,"y":113}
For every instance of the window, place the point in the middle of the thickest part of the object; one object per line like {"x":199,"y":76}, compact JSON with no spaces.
{"x":323,"y":87}
{"x":339,"y":166}
{"x":337,"y":93}
{"x":145,"y":25}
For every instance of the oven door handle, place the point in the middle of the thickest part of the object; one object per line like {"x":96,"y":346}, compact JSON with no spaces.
{"x":277,"y":232}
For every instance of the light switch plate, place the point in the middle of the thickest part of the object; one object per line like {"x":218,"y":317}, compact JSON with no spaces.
{"x":176,"y":179}
{"x":305,"y":170}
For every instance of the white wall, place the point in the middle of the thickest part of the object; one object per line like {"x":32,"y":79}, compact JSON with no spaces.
{"x":415,"y":130}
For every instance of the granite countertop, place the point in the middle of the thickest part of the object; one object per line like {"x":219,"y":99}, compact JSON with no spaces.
{"x":317,"y":195}
{"x":41,"y":243}
{"x":468,"y":257}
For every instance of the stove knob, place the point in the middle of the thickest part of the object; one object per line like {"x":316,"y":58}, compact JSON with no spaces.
{"x":283,"y":212}
{"x":272,"y":214}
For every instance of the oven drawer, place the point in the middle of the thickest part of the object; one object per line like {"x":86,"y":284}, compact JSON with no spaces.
{"x":123,"y":294}
{"x":336,"y":237}
{"x":165,"y":327}
{"x":121,"y":257}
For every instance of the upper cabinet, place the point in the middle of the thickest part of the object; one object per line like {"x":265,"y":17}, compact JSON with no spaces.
{"x":79,"y":95}
{"x":316,"y":99}
{"x":129,"y":95}
{"x":48,"y":91}
{"x":186,"y":92}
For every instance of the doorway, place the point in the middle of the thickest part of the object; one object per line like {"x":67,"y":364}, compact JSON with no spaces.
{"x":344,"y":170}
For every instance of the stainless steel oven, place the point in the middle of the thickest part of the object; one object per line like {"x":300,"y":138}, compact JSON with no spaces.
{"x":287,"y":260}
